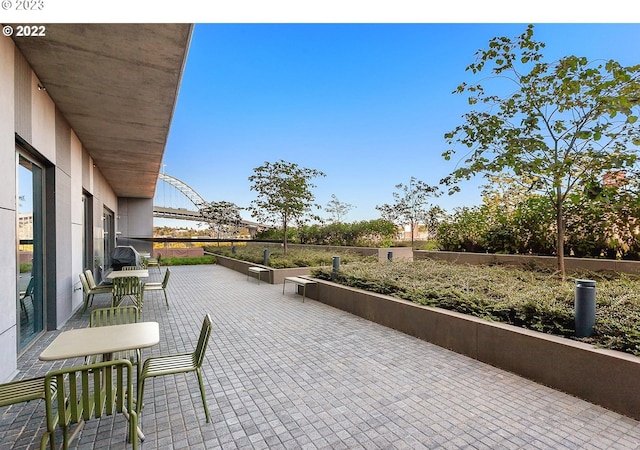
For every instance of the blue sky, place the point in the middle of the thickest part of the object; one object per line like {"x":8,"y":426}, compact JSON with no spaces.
{"x":368,"y":104}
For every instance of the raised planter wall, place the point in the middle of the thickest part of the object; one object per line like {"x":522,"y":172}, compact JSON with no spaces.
{"x":276,"y":276}
{"x":607,"y":378}
{"x":593,"y":265}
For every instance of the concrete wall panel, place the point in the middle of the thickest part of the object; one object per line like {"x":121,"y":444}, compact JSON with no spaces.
{"x":75,"y":171}
{"x":135,"y":217}
{"x":8,"y":257}
{"x":7,"y":122}
{"x":8,"y":356}
{"x":63,"y":143}
{"x":8,"y":271}
{"x":43,"y":119}
{"x":64,"y":262}
{"x":22,"y":88}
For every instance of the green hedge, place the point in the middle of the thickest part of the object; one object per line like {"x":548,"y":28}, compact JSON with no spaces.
{"x":295,"y":257}
{"x":187,"y":261}
{"x":536,"y":300}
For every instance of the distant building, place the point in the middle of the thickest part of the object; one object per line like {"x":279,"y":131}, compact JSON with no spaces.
{"x":614,"y":179}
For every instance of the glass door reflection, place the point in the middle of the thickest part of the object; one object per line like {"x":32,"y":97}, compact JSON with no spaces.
{"x":30,"y":307}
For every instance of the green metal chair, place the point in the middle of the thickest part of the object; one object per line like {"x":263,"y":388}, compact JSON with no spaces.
{"x":157,"y":366}
{"x":115,"y":315}
{"x":92,"y":282}
{"x":154,"y":262}
{"x":27,"y":293}
{"x":89,"y":293}
{"x":22,"y":391}
{"x":124,"y":288}
{"x":87,"y":392}
{"x":155,"y":286}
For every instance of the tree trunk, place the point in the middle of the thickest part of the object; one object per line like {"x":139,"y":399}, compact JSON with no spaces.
{"x":561,"y":228}
{"x":412,"y":227}
{"x":284,"y":238}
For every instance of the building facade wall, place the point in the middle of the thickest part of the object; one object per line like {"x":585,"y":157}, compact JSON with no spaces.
{"x":8,"y":260}
{"x":27,"y":113}
{"x":135,"y":217}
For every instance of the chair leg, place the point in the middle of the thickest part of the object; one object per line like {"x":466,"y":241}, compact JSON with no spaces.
{"x":139,"y":363}
{"x":140,"y":397}
{"x":24,"y":309}
{"x":47,"y":437}
{"x":65,"y":437}
{"x":86,"y":303}
{"x":166,"y":300}
{"x":204,"y":399}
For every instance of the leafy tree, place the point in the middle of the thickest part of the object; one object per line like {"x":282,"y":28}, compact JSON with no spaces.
{"x":563,"y":123}
{"x":337,"y":209}
{"x":411,"y":205}
{"x":223,"y":217}
{"x":604,"y":219}
{"x":465,"y":230}
{"x":284,"y":194}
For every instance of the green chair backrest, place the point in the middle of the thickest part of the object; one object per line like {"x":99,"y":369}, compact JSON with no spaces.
{"x":132,"y":268}
{"x":128,"y":286}
{"x":22,"y":391}
{"x":30,"y":288}
{"x":165,"y":280}
{"x":203,"y":340}
{"x":89,"y":391}
{"x":85,"y":284}
{"x":116,"y":315}
{"x":90,"y":280}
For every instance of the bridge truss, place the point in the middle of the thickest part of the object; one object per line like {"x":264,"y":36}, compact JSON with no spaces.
{"x":195,"y":198}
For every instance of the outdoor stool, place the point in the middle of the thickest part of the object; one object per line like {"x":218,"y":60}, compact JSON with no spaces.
{"x":258,"y":271}
{"x":299,"y":282}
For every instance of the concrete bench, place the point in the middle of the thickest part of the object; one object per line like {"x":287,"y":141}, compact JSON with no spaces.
{"x":299,"y":282}
{"x":258,"y":271}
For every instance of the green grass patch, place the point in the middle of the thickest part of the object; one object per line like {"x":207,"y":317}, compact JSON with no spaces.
{"x":187,"y":261}
{"x":535,"y":299}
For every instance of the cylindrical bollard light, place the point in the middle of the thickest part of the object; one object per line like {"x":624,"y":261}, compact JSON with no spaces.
{"x":585,"y":307}
{"x":336,"y":267}
{"x":265,"y":257}
{"x":389,"y":256}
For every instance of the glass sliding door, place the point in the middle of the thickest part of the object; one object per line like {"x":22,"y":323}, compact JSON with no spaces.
{"x":87,"y":232}
{"x":109,"y":233}
{"x":30,"y":221}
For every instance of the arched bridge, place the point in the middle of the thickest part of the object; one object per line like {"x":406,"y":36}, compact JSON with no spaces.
{"x":196,"y":200}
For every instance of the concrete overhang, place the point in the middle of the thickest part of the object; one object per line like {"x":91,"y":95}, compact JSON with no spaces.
{"x":117,"y":86}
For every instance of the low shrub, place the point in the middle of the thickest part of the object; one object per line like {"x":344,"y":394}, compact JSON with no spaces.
{"x":295,"y":257}
{"x":535,"y":299}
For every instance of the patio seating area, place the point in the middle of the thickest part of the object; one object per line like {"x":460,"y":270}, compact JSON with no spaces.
{"x":280,"y":373}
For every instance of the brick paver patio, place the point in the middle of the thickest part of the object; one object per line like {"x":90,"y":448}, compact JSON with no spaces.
{"x":284,"y":374}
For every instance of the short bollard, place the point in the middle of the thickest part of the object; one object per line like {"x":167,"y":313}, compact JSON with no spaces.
{"x":389,"y":256}
{"x":585,"y":307}
{"x":265,"y":257}
{"x":336,"y":267}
